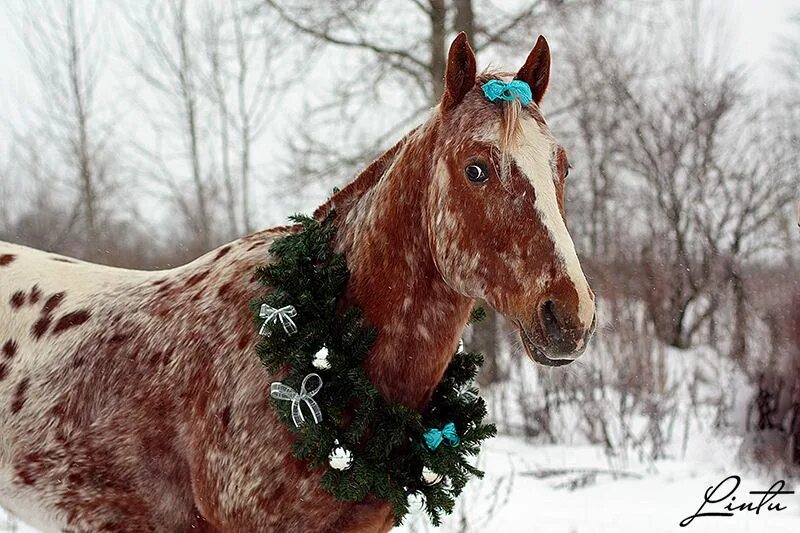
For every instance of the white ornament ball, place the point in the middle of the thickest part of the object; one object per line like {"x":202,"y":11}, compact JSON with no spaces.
{"x":416,"y":502}
{"x":321,"y":359}
{"x":340,"y":457}
{"x":429,"y":477}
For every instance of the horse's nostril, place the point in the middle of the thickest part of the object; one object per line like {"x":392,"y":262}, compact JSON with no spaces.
{"x":550,"y":321}
{"x":564,"y":336}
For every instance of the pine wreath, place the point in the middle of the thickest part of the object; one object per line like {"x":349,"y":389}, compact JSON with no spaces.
{"x":385,"y":442}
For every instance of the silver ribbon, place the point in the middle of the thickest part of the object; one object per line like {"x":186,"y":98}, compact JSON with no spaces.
{"x":311,"y":385}
{"x":465,"y":393}
{"x":284,"y":314}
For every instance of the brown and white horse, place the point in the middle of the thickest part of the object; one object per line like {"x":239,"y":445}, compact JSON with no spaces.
{"x":133,"y":401}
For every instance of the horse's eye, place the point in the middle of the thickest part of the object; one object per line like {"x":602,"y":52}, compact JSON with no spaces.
{"x":476,"y":173}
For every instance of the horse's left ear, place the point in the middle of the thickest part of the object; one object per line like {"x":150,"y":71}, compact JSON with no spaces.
{"x":459,"y":76}
{"x":536,"y":70}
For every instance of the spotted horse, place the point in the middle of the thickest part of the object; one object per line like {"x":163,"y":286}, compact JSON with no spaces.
{"x":133,"y":401}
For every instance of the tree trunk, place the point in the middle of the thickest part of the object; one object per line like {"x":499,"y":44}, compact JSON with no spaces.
{"x":202,"y":221}
{"x":438,"y":62}
{"x":465,"y":21}
{"x":246,"y":136}
{"x":484,"y":340}
{"x":82,"y":151}
{"x":739,"y":341}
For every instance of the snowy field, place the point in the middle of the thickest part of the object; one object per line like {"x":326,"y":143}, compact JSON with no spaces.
{"x":574,"y":489}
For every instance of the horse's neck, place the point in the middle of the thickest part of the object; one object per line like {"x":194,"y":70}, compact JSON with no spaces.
{"x":394,"y":279}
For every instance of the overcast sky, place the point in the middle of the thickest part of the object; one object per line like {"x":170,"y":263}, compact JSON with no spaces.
{"x":759,"y":25}
{"x":756,"y":27}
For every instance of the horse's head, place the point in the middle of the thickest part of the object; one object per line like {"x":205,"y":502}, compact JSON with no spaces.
{"x":495,"y":209}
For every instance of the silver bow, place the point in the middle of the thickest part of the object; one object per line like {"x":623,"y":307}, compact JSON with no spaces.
{"x":284,"y":314}
{"x":465,"y":392}
{"x":280,"y":391}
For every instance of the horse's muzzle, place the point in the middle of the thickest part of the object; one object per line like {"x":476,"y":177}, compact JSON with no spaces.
{"x":552,"y":340}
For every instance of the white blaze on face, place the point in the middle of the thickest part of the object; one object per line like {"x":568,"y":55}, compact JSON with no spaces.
{"x":532,"y":153}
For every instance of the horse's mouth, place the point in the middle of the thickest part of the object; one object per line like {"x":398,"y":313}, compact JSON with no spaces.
{"x":536,"y":354}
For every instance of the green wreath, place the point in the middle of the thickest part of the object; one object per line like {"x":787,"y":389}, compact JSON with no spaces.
{"x":370,"y":447}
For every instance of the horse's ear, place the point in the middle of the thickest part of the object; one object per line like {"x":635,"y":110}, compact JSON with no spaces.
{"x":536,"y":70}
{"x":459,"y":77}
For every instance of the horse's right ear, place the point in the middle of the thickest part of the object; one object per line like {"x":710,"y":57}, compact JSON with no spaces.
{"x":536,"y":70}
{"x":459,"y":77}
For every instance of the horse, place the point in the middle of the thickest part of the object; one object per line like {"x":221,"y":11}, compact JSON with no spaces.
{"x":134,"y":401}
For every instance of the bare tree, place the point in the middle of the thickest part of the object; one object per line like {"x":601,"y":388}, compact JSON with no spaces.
{"x":243,"y":52}
{"x":665,"y":138}
{"x":74,"y":137}
{"x":213,"y":90}
{"x":592,"y":120}
{"x":6,"y":185}
{"x":401,"y":53}
{"x":169,"y":65}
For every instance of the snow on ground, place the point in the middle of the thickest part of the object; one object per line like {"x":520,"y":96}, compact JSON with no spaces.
{"x":518,"y":493}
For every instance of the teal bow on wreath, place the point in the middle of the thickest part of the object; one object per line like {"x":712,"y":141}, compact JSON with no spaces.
{"x":502,"y":90}
{"x":434,"y":437}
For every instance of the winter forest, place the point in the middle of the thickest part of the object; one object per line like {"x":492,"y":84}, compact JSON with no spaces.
{"x":142,"y":134}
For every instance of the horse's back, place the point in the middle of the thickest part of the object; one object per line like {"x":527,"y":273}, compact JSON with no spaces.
{"x":28,"y":277}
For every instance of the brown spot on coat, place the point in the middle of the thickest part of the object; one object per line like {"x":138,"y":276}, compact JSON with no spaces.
{"x":6,"y":259}
{"x":40,"y":326}
{"x":51,"y":303}
{"x":226,"y":417}
{"x":25,"y":476}
{"x":58,"y":410}
{"x":243,"y":341}
{"x":3,"y":371}
{"x":35,"y":294}
{"x":36,"y":465}
{"x":71,"y":320}
{"x":222,"y":251}
{"x":19,"y":396}
{"x":17,"y":299}
{"x":164,"y":287}
{"x":194,"y":279}
{"x":119,"y":338}
{"x":224,"y":290}
{"x":9,"y":348}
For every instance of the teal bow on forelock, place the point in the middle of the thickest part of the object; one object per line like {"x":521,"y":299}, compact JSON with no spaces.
{"x":498,"y":89}
{"x":434,"y":437}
